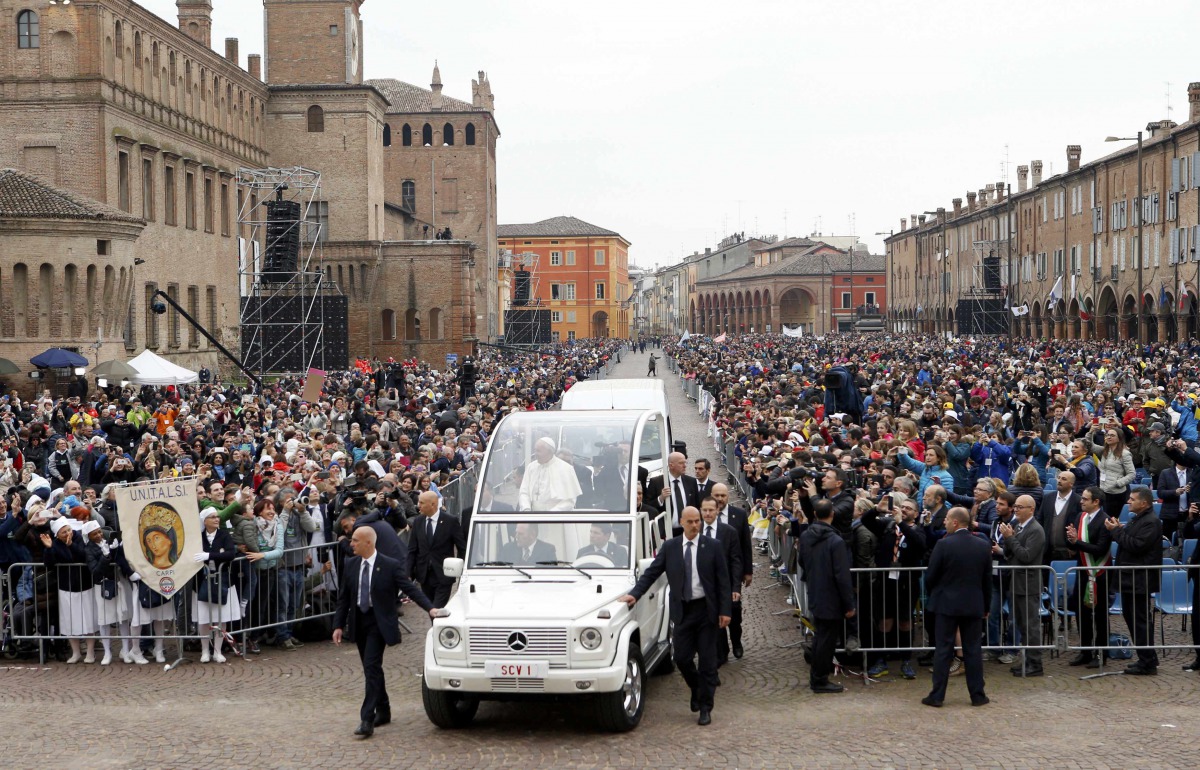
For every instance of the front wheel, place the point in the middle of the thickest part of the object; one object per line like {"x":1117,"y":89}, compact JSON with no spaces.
{"x":446,"y":709}
{"x":621,"y":711}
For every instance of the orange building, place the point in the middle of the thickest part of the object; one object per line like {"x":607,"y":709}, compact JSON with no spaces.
{"x":579,"y":272}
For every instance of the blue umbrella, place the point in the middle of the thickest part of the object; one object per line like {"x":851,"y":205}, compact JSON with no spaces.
{"x":57,"y":358}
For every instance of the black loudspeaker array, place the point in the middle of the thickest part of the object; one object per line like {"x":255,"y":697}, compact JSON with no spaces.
{"x":981,"y":317}
{"x":276,"y":329}
{"x":527,"y":327}
{"x":521,"y":285}
{"x":281,"y":259}
{"x":991,"y":274}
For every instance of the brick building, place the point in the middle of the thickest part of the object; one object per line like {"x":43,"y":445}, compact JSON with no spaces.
{"x":948,"y":267}
{"x":110,"y":106}
{"x":581,"y":275}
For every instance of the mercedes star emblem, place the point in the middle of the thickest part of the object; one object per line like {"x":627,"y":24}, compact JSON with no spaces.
{"x":517,"y":641}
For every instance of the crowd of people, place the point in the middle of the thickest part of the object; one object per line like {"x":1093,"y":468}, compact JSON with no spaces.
{"x":1052,"y":452}
{"x":282,"y":485}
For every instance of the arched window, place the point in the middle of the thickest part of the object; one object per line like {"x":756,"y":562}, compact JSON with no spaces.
{"x":427,"y":135}
{"x":389,"y":325}
{"x":406,"y":136}
{"x":28,"y":30}
{"x":387,"y":135}
{"x":435,"y":324}
{"x":119,"y":40}
{"x":470,"y":134}
{"x":137,"y":49}
{"x":316,"y":120}
{"x":448,"y":134}
{"x":412,"y":325}
{"x":408,"y":195}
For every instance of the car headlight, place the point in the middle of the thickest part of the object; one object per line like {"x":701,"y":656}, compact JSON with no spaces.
{"x":590,"y":638}
{"x":449,"y":637}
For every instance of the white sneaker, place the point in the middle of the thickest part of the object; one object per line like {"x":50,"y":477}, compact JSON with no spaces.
{"x":218,"y":657}
{"x":204,"y":658}
{"x":90,"y":659}
{"x":137,"y":657}
{"x":107,"y":659}
{"x":74,"y":659}
{"x":159,"y":657}
{"x":125,"y":657}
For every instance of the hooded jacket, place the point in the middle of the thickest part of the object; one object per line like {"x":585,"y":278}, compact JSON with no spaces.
{"x":825,"y":562}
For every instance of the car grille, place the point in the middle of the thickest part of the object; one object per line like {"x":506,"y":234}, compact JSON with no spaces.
{"x":517,"y":685}
{"x":541,"y":642}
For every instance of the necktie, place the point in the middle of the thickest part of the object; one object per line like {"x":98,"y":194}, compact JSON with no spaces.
{"x":1183,"y":497}
{"x":687,"y":572}
{"x":364,"y":588}
{"x":429,"y":530}
{"x":708,"y":531}
{"x":678,"y":499}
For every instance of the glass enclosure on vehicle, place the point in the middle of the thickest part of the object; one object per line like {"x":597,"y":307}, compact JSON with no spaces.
{"x":568,"y":461}
{"x":601,"y":544}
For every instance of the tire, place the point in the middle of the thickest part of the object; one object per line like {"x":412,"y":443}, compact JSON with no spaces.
{"x":447,"y":710}
{"x":621,"y":711}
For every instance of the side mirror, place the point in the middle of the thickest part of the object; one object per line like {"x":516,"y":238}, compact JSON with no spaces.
{"x":644,"y":564}
{"x":452,"y":567}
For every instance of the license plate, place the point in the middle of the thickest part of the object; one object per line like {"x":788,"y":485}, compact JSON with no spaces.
{"x":524,"y":669}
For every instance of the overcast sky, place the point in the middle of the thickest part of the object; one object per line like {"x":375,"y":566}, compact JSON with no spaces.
{"x":676,"y":123}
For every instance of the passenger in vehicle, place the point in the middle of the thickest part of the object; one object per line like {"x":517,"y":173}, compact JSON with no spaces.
{"x":526,"y":549}
{"x":612,"y":479}
{"x":601,"y":544}
{"x":549,"y":484}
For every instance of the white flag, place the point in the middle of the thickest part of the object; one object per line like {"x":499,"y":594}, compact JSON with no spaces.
{"x":686,"y":336}
{"x":1020,"y":310}
{"x":797,"y":332}
{"x":1055,"y":294}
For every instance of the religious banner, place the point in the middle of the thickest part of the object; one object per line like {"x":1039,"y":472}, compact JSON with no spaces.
{"x":312,"y":386}
{"x":160,"y":527}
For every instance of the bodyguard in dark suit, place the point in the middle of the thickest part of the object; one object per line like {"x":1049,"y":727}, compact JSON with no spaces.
{"x":674,"y":490}
{"x":1090,"y":540}
{"x":436,"y":536}
{"x":704,"y":481}
{"x":959,"y":582}
{"x":1175,"y":489}
{"x":367,"y":615}
{"x":730,"y":541}
{"x":738,"y":519}
{"x":1139,"y":544}
{"x":825,"y":561}
{"x":698,"y":576}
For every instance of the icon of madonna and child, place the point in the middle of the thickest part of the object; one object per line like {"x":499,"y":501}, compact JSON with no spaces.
{"x":160,"y":530}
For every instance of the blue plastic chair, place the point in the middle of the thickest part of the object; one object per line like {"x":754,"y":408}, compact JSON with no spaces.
{"x":1169,"y":562}
{"x":1189,"y":548}
{"x":1115,"y":609}
{"x":1174,"y":597}
{"x":1157,"y":509}
{"x":1113,"y":550}
{"x":1063,"y":583}
{"x":1126,"y":515}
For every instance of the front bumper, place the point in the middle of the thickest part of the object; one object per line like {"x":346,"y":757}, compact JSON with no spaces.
{"x":559,"y":681}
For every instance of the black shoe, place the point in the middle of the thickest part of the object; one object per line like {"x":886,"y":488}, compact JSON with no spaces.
{"x":1027,"y":672}
{"x":705,"y":717}
{"x":1137,"y":669}
{"x":1094,"y":663}
{"x":1194,"y":665}
{"x":1081,"y":659}
{"x":722,"y":661}
{"x":695,"y":703}
{"x":827,"y":687}
{"x":382,"y":718}
{"x":738,"y":652}
{"x":982,"y":700}
{"x":718,"y":680}
{"x":365,"y":729}
{"x":929,"y":701}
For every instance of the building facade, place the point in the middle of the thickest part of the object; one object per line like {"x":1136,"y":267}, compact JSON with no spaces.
{"x":579,"y":271}
{"x":1128,"y":263}
{"x":108,"y":103}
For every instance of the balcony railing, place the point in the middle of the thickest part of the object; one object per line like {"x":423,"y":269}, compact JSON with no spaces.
{"x":868,"y":311}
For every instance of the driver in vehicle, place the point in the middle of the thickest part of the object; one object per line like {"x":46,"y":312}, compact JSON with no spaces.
{"x":550,"y":484}
{"x":526,"y":549}
{"x":600,"y":544}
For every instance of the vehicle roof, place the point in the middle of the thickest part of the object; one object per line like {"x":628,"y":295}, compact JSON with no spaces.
{"x":620,"y":384}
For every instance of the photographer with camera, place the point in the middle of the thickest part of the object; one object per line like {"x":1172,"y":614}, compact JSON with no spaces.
{"x":900,"y":545}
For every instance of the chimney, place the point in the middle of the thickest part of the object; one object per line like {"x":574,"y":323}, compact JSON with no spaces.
{"x":921,"y":220}
{"x":254,"y":66}
{"x":195,"y":20}
{"x":1073,"y":151}
{"x":435,"y":100}
{"x":990,"y":193}
{"x":1022,"y":178}
{"x":957,"y":207}
{"x":231,"y":50}
{"x":903,"y":224}
{"x":1194,"y":101}
{"x":914,"y":221}
{"x":1000,"y":190}
{"x":1037,"y":172}
{"x":941,"y":215}
{"x":971,"y":201}
{"x":1159,"y":128}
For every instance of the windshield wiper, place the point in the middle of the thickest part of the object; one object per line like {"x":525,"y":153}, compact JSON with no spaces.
{"x":565,"y":564}
{"x":504,"y":564}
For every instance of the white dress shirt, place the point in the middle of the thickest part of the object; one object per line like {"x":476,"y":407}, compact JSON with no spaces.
{"x":697,"y":586}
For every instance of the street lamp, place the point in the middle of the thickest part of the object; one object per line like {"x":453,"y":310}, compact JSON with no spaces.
{"x":1141,"y":251}
{"x":941,"y":248}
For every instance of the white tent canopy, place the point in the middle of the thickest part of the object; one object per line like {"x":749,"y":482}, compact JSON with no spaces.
{"x":156,"y":370}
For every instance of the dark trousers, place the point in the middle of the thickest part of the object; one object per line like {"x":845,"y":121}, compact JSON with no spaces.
{"x":438,"y":591}
{"x":1093,"y":621}
{"x":370,"y":652}
{"x":825,"y":639}
{"x":1195,"y":576}
{"x":971,"y":630}
{"x":696,"y":634}
{"x":1136,"y":608}
{"x":730,"y":637}
{"x":1026,"y":610}
{"x":1114,"y":502}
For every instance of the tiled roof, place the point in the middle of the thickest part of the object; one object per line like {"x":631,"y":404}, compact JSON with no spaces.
{"x":790,"y":243}
{"x":805,"y":264}
{"x":565,"y":227}
{"x":406,"y":98}
{"x":25,"y":197}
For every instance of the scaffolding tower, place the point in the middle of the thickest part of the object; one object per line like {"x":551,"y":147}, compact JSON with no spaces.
{"x":981,"y":309}
{"x":283,"y":312}
{"x":528,"y":324}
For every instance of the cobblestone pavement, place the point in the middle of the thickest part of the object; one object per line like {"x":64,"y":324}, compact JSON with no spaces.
{"x":298,"y":709}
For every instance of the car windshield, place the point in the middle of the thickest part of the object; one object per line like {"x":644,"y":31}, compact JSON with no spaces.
{"x":548,"y":544}
{"x":562,"y":461}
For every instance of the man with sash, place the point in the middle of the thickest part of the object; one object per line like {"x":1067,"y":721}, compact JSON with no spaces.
{"x":1091,"y":540}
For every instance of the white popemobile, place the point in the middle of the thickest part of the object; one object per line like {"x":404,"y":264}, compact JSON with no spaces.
{"x":555,"y":538}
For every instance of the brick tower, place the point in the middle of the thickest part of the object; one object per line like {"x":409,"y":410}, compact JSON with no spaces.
{"x":313,"y":42}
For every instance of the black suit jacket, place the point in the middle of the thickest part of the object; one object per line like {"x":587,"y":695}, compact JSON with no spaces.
{"x":739,"y":520}
{"x":655,"y":487}
{"x":618,"y":554}
{"x":387,"y":581}
{"x":1099,"y":538}
{"x":1168,"y":491}
{"x":959,"y":577}
{"x":425,"y":558}
{"x":542,"y":551}
{"x":1055,"y":528}
{"x":710,"y":567}
{"x":704,"y":489}
{"x":731,"y":546}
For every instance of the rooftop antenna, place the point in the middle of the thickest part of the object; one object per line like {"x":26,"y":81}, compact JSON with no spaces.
{"x":1169,"y":108}
{"x":785,"y":224}
{"x":1004,"y":165}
